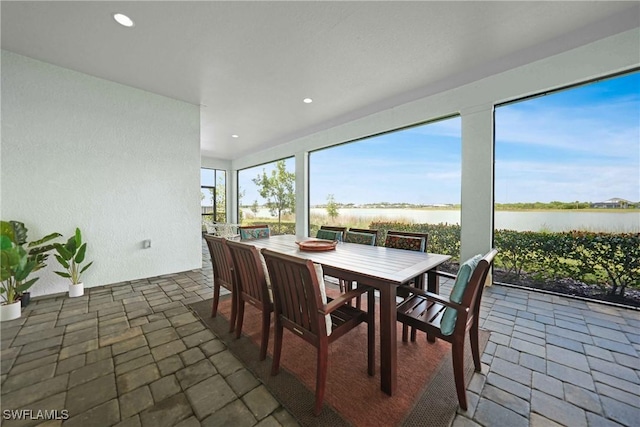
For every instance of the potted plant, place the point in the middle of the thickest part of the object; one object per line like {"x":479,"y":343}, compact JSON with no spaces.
{"x":70,"y":256}
{"x":14,"y":270}
{"x":37,"y":251}
{"x":17,"y":264}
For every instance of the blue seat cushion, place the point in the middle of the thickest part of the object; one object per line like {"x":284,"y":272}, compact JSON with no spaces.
{"x":448,"y":322}
{"x":329,"y":235}
{"x":254,"y":233}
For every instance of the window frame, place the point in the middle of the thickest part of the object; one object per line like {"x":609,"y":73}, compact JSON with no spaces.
{"x":214,"y":193}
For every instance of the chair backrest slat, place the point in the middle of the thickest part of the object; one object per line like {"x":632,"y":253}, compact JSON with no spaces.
{"x":296,"y":293}
{"x":249,"y":271}
{"x":221,"y":260}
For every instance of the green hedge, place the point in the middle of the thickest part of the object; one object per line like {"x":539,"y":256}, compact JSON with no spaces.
{"x":611,"y":260}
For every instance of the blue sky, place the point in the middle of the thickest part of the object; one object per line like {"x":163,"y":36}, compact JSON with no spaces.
{"x":578,"y":144}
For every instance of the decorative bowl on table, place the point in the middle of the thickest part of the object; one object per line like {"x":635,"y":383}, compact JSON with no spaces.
{"x":317,"y":245}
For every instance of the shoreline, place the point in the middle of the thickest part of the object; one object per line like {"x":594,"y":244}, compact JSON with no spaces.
{"x":456,"y":209}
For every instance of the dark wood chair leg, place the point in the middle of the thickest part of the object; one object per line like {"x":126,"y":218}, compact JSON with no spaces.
{"x":358,"y":298}
{"x":413,"y":334}
{"x":321,"y":377}
{"x":264,"y":340}
{"x":371,"y":333}
{"x":277,"y":348}
{"x":240,"y":318}
{"x":475,"y":349}
{"x":216,"y":300}
{"x":457,"y":351}
{"x":234,"y":311}
{"x":405,"y":333}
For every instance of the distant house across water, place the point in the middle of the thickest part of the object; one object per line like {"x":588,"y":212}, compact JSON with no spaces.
{"x":612,"y":203}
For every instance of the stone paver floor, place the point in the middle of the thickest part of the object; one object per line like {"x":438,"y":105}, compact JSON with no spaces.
{"x":132,"y":354}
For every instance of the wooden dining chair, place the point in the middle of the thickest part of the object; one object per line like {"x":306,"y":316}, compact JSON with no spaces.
{"x":363,"y":236}
{"x":409,"y":240}
{"x":252,"y":232}
{"x":412,"y":241}
{"x":223,"y":275}
{"x":451,"y":318}
{"x":331,"y":233}
{"x":301,"y":305}
{"x":253,"y":287}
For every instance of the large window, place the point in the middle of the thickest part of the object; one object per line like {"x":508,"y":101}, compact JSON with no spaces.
{"x":402,"y":179}
{"x":213,"y":190}
{"x":567,"y":193}
{"x":266,"y":195}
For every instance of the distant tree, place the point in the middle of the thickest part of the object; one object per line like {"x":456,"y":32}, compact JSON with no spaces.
{"x":254,"y":207}
{"x":278,"y":190}
{"x":241,"y":194}
{"x":332,"y":207}
{"x":220,"y":196}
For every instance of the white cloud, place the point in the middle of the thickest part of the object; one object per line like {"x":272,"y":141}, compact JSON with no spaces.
{"x":609,"y":130}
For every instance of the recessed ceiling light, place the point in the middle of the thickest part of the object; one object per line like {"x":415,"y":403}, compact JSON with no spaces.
{"x":234,"y":136}
{"x":123,"y":20}
{"x":307,"y":100}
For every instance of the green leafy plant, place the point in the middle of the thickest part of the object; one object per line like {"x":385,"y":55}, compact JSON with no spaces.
{"x":70,"y":256}
{"x":15,"y":269}
{"x":332,"y":207}
{"x":18,"y":261}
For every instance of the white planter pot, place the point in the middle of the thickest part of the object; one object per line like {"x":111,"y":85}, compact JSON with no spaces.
{"x":76,"y":290}
{"x":10,"y":311}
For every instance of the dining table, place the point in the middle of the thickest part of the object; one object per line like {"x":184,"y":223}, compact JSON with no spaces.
{"x":377,"y":266}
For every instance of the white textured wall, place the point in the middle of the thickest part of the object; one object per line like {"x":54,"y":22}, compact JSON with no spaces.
{"x":120,"y":163}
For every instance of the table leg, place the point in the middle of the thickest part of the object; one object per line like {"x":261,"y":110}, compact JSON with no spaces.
{"x":433,"y":282}
{"x":388,"y":340}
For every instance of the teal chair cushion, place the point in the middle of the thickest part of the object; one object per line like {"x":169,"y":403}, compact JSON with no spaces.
{"x":329,"y":235}
{"x":361,"y":238}
{"x":448,"y":322}
{"x":254,"y":233}
{"x":406,"y":242}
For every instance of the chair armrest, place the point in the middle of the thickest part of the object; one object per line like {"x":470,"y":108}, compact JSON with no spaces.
{"x":334,"y":304}
{"x":443,"y":274}
{"x":434,"y":297}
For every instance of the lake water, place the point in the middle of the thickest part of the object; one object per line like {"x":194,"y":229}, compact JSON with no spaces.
{"x":603,"y":221}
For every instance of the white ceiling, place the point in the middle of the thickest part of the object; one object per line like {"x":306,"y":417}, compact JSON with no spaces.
{"x":250,"y":64}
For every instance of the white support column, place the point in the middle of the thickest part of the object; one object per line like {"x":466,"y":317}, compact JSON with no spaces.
{"x":232,"y":195}
{"x":302,"y":194}
{"x":476,"y":216}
